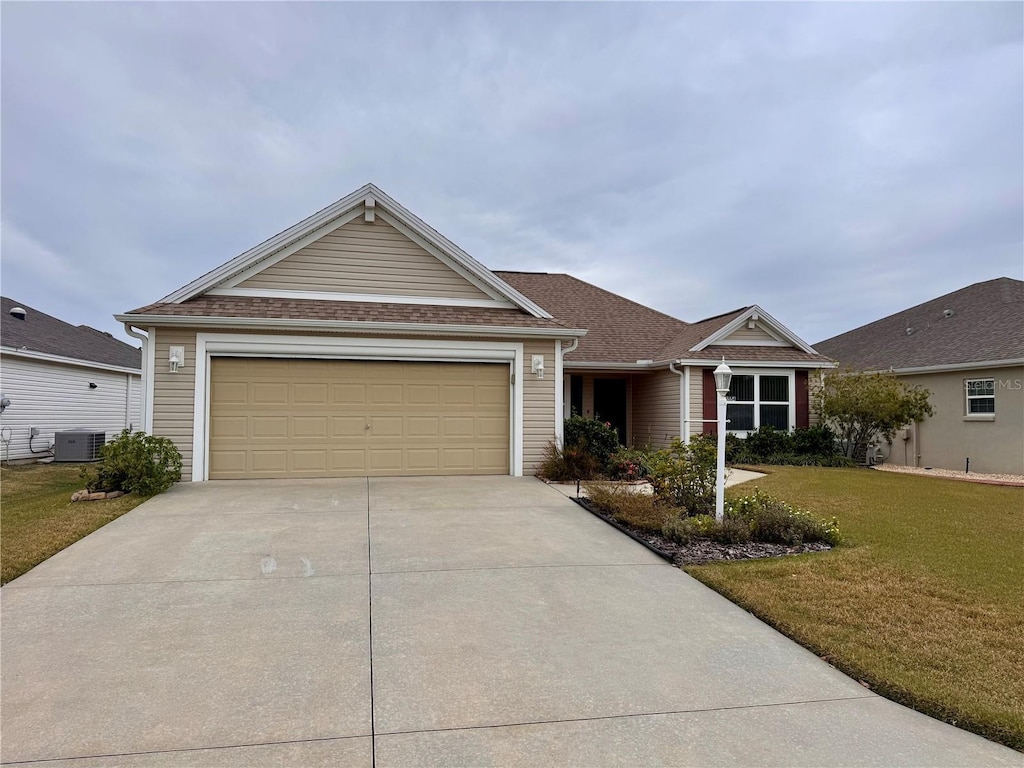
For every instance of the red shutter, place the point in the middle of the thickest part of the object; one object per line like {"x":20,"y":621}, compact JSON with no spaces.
{"x":803,"y":401}
{"x":710,"y":403}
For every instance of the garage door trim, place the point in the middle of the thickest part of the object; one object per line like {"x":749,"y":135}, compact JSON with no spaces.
{"x":408,"y":350}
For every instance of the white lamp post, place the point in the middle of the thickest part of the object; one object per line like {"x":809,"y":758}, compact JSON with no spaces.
{"x":723,"y":376}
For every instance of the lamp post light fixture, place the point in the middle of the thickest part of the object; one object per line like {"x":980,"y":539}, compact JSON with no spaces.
{"x":723,"y":377}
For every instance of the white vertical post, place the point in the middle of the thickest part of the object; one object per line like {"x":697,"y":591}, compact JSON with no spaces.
{"x":720,"y":475}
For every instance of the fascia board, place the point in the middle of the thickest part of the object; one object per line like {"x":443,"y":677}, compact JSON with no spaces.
{"x":734,"y":325}
{"x":48,"y":358}
{"x":414,"y":329}
{"x":336,"y":210}
{"x":264,"y":249}
{"x":951,"y":367}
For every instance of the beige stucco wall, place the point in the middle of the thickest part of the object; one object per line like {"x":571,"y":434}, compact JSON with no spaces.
{"x":174,"y":395}
{"x":949,"y":437}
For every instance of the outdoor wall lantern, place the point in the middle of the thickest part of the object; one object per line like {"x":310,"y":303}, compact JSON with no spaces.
{"x":176,"y":358}
{"x":723,"y":377}
{"x":538,"y":366}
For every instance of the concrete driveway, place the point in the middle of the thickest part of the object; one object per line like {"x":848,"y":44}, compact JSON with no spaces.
{"x":445,"y":621}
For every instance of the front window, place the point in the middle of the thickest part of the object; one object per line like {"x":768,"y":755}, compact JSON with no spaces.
{"x":756,"y":400}
{"x":981,"y":395}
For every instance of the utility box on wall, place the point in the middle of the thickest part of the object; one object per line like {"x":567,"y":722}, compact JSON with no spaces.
{"x":78,"y":445}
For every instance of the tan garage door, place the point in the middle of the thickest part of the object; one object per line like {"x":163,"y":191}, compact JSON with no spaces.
{"x":342,"y":418}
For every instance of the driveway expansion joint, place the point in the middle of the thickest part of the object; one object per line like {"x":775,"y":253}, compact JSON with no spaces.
{"x":525,"y":567}
{"x":15,"y":585}
{"x":632,"y":714}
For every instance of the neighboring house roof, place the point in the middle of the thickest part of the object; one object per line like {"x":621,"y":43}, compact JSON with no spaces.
{"x":44,"y":334}
{"x":981,"y":323}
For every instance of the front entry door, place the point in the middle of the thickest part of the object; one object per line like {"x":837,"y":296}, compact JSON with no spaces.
{"x":610,"y":404}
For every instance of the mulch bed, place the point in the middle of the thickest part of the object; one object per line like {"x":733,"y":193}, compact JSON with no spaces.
{"x":698,"y":552}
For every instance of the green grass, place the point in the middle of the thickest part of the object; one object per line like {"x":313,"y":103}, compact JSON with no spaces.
{"x":38,"y":519}
{"x":923,"y":602}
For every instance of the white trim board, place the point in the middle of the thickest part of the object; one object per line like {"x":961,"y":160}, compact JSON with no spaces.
{"x":252,"y":345}
{"x":375,"y":298}
{"x":770,"y":324}
{"x":325,"y":220}
{"x":62,"y":360}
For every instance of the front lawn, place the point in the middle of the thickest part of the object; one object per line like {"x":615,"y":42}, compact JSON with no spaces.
{"x":922,"y":602}
{"x":38,"y":519}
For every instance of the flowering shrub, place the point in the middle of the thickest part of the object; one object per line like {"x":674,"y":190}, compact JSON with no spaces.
{"x":629,"y":464}
{"x":593,"y":436}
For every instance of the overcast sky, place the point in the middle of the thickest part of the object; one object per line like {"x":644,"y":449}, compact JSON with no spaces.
{"x":833,"y":163}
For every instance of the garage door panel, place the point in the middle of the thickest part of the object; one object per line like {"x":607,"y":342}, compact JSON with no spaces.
{"x":334,"y":418}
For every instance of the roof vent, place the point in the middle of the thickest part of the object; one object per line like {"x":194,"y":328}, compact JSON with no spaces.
{"x":948,"y":313}
{"x":18,"y":312}
{"x":909,"y":330}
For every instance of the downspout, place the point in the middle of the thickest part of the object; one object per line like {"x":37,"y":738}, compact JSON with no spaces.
{"x":144,"y":379}
{"x":560,"y":388}
{"x":684,"y":400}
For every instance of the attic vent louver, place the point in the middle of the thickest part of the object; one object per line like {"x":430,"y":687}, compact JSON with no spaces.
{"x":18,"y":313}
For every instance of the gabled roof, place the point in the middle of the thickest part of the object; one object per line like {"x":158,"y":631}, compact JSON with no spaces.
{"x":618,"y":330}
{"x":44,"y":334}
{"x":371,"y":200}
{"x":621,"y":331}
{"x":981,"y":323}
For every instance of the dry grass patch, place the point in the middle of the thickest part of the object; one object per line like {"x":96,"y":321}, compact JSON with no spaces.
{"x":924,"y":602}
{"x":627,"y":505}
{"x":37,"y":518}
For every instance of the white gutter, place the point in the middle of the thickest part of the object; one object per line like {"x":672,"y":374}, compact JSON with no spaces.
{"x":684,"y":400}
{"x":560,"y":354}
{"x":951,"y":367}
{"x":146,"y":375}
{"x":357,"y":326}
{"x":703,"y":362}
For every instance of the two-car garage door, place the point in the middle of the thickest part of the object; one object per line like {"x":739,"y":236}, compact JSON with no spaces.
{"x":338,"y":418}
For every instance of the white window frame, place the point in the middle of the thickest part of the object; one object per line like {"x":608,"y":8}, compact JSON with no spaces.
{"x":968,"y":398}
{"x":350,"y":348}
{"x":757,"y":373}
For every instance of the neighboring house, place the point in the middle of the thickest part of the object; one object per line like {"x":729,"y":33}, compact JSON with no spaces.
{"x":58,"y":377}
{"x":362,"y":342}
{"x":967,"y":347}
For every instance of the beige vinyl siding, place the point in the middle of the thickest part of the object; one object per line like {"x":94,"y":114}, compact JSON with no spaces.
{"x":365,"y":258}
{"x":696,"y":425}
{"x":174,"y":393}
{"x":757,"y":333}
{"x":656,"y":408}
{"x":813,"y":388}
{"x":538,"y":404}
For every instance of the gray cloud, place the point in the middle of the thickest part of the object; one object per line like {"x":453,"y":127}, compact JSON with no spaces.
{"x":831,"y":162}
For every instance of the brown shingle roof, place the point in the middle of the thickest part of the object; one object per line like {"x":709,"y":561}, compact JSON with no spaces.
{"x":40,"y":332}
{"x":259,"y":308}
{"x":986,"y":324}
{"x":619,"y":330}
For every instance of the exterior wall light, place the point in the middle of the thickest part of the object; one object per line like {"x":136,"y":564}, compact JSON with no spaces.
{"x":538,"y":366}
{"x":176,"y":358}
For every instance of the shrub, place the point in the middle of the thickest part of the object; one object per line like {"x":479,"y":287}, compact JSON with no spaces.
{"x":135,"y":462}
{"x":773,"y":521}
{"x":683,"y":529}
{"x":628,"y":505}
{"x":818,"y":440}
{"x":591,"y":436}
{"x":562,"y":464}
{"x":629,"y":464}
{"x":766,"y":440}
{"x":684,"y":475}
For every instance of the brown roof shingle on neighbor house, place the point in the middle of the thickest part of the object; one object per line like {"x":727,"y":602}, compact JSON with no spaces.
{"x":259,"y":308}
{"x":980,"y":323}
{"x":40,"y":332}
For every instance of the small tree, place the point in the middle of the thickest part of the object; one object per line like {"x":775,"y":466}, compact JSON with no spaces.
{"x":859,"y":406}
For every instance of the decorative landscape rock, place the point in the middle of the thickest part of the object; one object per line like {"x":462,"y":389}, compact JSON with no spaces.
{"x":85,"y":495}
